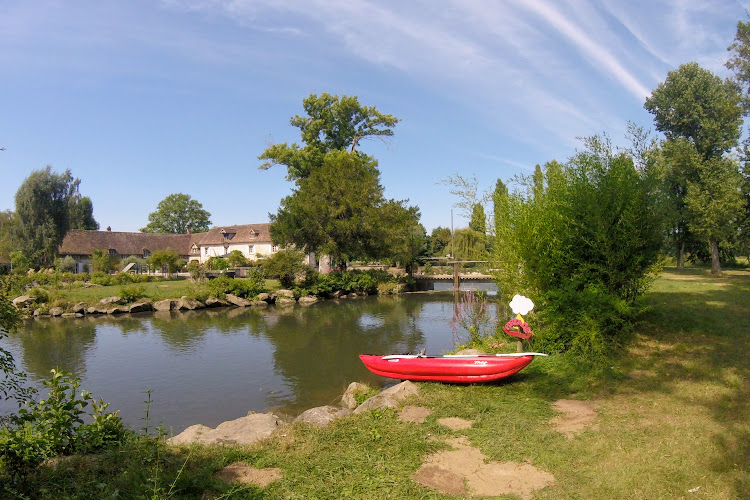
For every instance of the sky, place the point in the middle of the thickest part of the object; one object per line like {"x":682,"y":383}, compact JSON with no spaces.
{"x":141,"y":99}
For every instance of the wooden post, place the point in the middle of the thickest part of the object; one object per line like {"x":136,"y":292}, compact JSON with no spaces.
{"x":456,"y":281}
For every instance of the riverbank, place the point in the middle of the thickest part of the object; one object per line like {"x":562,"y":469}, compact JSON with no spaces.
{"x":671,"y":421}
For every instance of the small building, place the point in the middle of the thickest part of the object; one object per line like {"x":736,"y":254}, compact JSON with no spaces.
{"x":252,"y":240}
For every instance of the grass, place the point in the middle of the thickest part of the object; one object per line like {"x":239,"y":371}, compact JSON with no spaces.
{"x":674,"y":414}
{"x":155,"y":290}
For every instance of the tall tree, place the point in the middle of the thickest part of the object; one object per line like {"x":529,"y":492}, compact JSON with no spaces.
{"x":6,"y":233}
{"x":695,"y":105}
{"x":82,"y":214}
{"x":337,"y":206}
{"x":331,"y":123}
{"x":43,"y":213}
{"x":478,"y":220}
{"x":177,"y":214}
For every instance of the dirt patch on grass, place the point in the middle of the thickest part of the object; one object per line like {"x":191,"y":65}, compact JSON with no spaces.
{"x":243,"y":473}
{"x":576,"y":416}
{"x":455,"y":423}
{"x":416,"y":414}
{"x":464,"y":470}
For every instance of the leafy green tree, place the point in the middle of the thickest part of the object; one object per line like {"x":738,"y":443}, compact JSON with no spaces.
{"x":82,"y":214}
{"x":469,"y":244}
{"x":467,"y":192}
{"x":236,"y":259}
{"x":505,"y":252}
{"x":166,"y":259}
{"x":102,"y":261}
{"x":406,"y":240}
{"x":440,"y":240}
{"x":6,"y":233}
{"x":478,"y":221}
{"x":46,"y":204}
{"x":178,"y":214}
{"x":285,"y":265}
{"x":699,"y":107}
{"x":331,"y":124}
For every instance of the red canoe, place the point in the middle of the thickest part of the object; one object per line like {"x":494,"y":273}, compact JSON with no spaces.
{"x":450,"y":368}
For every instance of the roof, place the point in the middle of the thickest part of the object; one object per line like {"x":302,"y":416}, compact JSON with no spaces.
{"x":82,"y":242}
{"x":245,"y":233}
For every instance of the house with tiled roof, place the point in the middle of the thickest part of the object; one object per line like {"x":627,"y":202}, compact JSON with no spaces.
{"x":253,"y":240}
{"x":80,"y":244}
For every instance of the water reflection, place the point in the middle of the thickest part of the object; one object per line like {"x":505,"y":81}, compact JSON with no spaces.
{"x":213,"y":365}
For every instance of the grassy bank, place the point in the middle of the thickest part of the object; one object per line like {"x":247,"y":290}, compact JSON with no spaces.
{"x":673,"y":416}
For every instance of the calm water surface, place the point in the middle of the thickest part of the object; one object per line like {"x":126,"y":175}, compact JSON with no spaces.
{"x":209,"y":366}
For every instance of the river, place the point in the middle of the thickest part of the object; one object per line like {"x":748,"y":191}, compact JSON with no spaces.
{"x":213,"y":365}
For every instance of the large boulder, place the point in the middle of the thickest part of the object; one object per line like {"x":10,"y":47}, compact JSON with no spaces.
{"x":284,"y":293}
{"x":118,"y":309}
{"x":164,"y":305}
{"x":349,"y":400}
{"x":79,"y":308}
{"x":237,"y":301}
{"x":100,"y":309}
{"x":259,"y":303}
{"x":140,"y":306}
{"x":308,"y":300}
{"x":390,"y":398}
{"x":56,"y":311}
{"x":245,"y":430}
{"x":214,"y":302}
{"x":110,"y":300}
{"x":186,"y":304}
{"x":23,"y":301}
{"x":284,"y":301}
{"x":322,"y":415}
{"x":266,"y":297}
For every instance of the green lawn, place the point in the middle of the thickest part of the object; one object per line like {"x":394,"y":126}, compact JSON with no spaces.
{"x":674,"y":415}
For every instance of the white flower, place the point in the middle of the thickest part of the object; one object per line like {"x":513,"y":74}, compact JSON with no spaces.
{"x":521,"y":305}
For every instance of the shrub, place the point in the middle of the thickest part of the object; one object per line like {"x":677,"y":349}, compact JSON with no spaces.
{"x":241,"y":287}
{"x":41,"y":295}
{"x":65,"y":264}
{"x":102,"y":261}
{"x":132,"y":293}
{"x":100,"y":278}
{"x":236,"y":259}
{"x":217,"y":263}
{"x":286,"y":265}
{"x":197,"y":270}
{"x":54,"y":426}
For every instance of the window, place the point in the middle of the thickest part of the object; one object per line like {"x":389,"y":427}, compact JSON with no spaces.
{"x":206,"y":250}
{"x":146,"y":253}
{"x":275,"y":248}
{"x":194,"y":249}
{"x":251,"y":248}
{"x":112,"y":251}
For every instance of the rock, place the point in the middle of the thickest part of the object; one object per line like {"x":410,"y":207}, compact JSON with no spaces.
{"x":56,"y":311}
{"x":284,"y":301}
{"x":322,"y":415}
{"x":308,"y":300}
{"x":265,"y":297}
{"x":23,"y":301}
{"x":71,"y":315}
{"x":337,"y":294}
{"x":97,"y":310}
{"x":284,"y":293}
{"x":163,"y":305}
{"x":79,"y":308}
{"x":349,"y":400}
{"x":259,"y":303}
{"x":110,"y":300}
{"x":117,"y":310}
{"x":140,"y":306}
{"x":390,"y":398}
{"x":214,"y":302}
{"x":38,"y":312}
{"x":186,"y":304}
{"x":237,"y":301}
{"x":245,"y":430}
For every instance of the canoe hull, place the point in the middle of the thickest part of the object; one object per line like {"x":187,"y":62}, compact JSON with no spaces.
{"x":466,"y":370}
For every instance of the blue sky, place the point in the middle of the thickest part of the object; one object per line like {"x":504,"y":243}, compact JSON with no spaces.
{"x":144,"y":98}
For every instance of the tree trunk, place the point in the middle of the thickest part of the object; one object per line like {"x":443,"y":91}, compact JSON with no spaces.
{"x":681,"y":257}
{"x":715,"y":264}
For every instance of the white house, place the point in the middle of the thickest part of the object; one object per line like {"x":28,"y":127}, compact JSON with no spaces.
{"x":253,"y":240}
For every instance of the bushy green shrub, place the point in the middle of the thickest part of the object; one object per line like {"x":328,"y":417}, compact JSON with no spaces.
{"x":217,"y":264}
{"x":65,"y":264}
{"x":132,"y":293}
{"x":197,"y":270}
{"x":241,"y":287}
{"x":41,"y":295}
{"x":100,"y":278}
{"x":55,"y":426}
{"x":325,"y":284}
{"x":286,"y":265}
{"x":129,"y":278}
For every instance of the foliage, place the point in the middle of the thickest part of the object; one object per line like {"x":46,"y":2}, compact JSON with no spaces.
{"x":7,"y":220}
{"x":285,"y":265}
{"x":132,"y":293}
{"x":82,"y":215}
{"x":586,"y":246}
{"x":166,"y":259}
{"x":478,"y":221}
{"x":178,"y":214}
{"x":55,"y":426}
{"x":102,"y":261}
{"x":440,"y":240}
{"x":236,"y":259}
{"x":331,"y":124}
{"x":217,"y":263}
{"x":469,"y":245}
{"x":11,"y":380}
{"x":20,"y":262}
{"x":326,"y":284}
{"x":65,"y":264}
{"x":471,"y":315}
{"x":100,"y":278}
{"x":466,"y":189}
{"x":47,"y":206}
{"x":247,"y":287}
{"x":197,"y":270}
{"x":407,"y":239}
